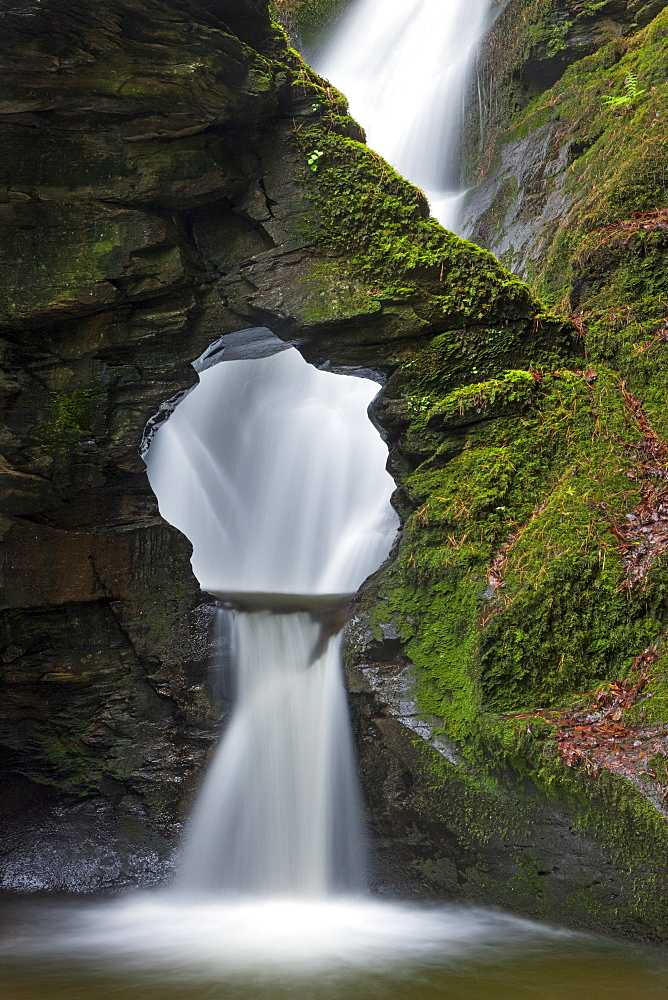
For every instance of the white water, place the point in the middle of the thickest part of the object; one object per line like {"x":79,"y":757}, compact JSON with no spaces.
{"x":279,"y":939}
{"x":275,"y":473}
{"x":276,"y":830}
{"x":404,"y":67}
{"x":279,"y":810}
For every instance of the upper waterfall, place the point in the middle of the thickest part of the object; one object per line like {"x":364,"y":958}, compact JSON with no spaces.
{"x":404,"y":67}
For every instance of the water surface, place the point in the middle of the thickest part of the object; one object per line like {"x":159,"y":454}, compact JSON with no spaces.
{"x":163,"y":946}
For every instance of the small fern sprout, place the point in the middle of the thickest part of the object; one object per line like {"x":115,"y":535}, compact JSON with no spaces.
{"x":632,"y":92}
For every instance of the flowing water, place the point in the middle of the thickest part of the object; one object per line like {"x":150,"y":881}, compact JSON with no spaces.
{"x":279,"y":810}
{"x":404,"y":65}
{"x":276,"y":475}
{"x":153,"y":947}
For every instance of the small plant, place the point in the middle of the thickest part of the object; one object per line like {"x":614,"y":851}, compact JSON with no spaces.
{"x":631,"y":93}
{"x":314,"y":159}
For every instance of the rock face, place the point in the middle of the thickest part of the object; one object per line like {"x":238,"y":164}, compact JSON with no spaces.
{"x":174,"y":199}
{"x":571,"y":195}
{"x":571,"y":137}
{"x":156,"y":195}
{"x":569,"y":192}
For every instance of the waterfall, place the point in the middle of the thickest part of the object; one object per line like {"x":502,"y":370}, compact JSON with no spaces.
{"x":404,"y":67}
{"x":276,"y":475}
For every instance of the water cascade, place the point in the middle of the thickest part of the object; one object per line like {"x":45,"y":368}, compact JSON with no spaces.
{"x":404,"y":66}
{"x":275,"y":473}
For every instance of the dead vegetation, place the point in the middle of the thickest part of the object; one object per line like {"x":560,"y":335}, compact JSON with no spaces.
{"x":643,"y":536}
{"x":622,"y":232}
{"x":595,"y":734}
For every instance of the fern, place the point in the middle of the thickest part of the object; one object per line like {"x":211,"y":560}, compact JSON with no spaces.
{"x":631,"y":94}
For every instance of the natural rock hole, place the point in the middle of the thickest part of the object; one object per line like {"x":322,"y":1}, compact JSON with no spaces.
{"x":274,"y":472}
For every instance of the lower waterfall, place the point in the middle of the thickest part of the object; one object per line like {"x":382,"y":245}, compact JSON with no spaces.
{"x":279,"y":811}
{"x":275,"y":473}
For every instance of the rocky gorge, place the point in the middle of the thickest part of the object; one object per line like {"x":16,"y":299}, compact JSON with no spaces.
{"x":157,"y":194}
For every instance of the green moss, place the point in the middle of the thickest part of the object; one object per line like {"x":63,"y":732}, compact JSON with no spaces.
{"x":315,"y":18}
{"x":564,"y":618}
{"x":632,"y":831}
{"x":532,"y":467}
{"x":539,"y":460}
{"x":527,"y":48}
{"x":508,"y":588}
{"x":70,"y":765}
{"x":651,"y":709}
{"x":520,"y":787}
{"x":610,"y":264}
{"x":365,"y":211}
{"x":70,"y":416}
{"x":616,"y":169}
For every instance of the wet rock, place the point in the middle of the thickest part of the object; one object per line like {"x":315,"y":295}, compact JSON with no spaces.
{"x":101,"y":844}
{"x":448,"y":826}
{"x":172,"y":205}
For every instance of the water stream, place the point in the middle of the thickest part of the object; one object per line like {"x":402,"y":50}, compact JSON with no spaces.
{"x":404,"y":66}
{"x":162,"y":947}
{"x":277,"y":475}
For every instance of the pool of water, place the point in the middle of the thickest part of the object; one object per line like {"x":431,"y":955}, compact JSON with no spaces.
{"x":160,"y":946}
